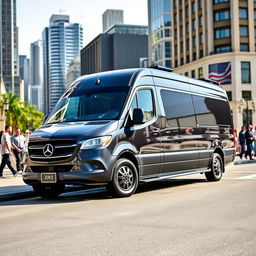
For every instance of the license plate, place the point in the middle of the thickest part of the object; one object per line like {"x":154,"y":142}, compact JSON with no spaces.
{"x":48,"y":177}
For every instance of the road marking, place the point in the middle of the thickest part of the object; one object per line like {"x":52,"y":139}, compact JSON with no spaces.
{"x":252,"y":176}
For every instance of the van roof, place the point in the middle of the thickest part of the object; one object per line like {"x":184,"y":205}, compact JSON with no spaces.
{"x":125,"y":77}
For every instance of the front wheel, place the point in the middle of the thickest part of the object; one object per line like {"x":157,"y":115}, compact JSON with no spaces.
{"x":48,"y":190}
{"x":217,"y":168}
{"x":125,"y":178}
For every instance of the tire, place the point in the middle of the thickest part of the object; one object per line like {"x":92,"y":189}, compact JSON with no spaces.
{"x":125,"y":179}
{"x":217,"y":168}
{"x":48,"y":190}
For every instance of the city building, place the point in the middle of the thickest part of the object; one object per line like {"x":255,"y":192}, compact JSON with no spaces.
{"x":62,"y":42}
{"x":120,"y":47}
{"x":24,"y":70}
{"x":216,"y":39}
{"x":74,"y":70}
{"x":9,"y":61}
{"x":35,"y":85}
{"x":112,"y":17}
{"x":160,"y":33}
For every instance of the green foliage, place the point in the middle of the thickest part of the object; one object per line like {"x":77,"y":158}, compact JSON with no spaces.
{"x":20,"y":114}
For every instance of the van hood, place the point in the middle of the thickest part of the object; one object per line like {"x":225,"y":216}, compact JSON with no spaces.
{"x":74,"y":130}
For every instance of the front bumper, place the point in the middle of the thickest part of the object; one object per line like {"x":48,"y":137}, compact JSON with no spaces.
{"x":90,"y":166}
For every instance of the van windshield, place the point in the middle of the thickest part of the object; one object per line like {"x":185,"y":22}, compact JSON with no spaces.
{"x":92,"y":104}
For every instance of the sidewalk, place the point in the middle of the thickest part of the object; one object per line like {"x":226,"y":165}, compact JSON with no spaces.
{"x":13,"y":187}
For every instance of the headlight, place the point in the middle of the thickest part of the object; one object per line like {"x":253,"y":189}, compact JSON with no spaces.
{"x":100,"y":141}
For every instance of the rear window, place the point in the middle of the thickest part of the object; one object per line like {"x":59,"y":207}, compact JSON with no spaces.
{"x":211,"y":111}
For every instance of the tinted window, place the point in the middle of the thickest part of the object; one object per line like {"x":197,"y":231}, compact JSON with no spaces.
{"x":178,"y":108}
{"x":211,"y":111}
{"x":143,"y":99}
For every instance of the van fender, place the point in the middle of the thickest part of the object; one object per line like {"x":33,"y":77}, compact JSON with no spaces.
{"x":124,"y":147}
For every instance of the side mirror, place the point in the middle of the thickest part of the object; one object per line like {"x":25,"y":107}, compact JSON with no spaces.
{"x":138,"y":116}
{"x":44,"y":119}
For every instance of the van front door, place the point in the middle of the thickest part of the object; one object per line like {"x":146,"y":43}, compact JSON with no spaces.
{"x":146,"y":137}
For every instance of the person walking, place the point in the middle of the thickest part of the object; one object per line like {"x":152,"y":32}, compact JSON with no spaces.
{"x":249,"y":140}
{"x":254,"y":142}
{"x":6,"y":151}
{"x":18,"y":146}
{"x":242,"y":142}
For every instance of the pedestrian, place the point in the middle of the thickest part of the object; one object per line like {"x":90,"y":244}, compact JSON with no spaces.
{"x":242,"y":142}
{"x":249,"y":140}
{"x":6,"y":151}
{"x":18,"y":146}
{"x":26,"y":139}
{"x":254,"y":142}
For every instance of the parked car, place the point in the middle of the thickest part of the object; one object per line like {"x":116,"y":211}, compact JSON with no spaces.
{"x":122,"y":128}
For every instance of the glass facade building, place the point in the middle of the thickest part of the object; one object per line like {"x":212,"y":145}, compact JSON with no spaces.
{"x":62,"y":42}
{"x":160,"y":33}
{"x":9,"y":59}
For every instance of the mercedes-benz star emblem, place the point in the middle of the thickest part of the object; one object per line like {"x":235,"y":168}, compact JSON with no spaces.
{"x":48,"y":150}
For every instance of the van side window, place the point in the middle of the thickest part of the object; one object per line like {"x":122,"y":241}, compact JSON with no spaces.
{"x":143,"y":99}
{"x":179,"y":109}
{"x":211,"y":111}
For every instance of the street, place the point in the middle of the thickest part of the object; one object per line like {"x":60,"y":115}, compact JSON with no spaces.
{"x":185,"y":216}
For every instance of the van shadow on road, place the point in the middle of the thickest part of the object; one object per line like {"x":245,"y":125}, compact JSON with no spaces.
{"x":100,"y":193}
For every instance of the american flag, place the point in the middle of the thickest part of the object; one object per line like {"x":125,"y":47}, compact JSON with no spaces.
{"x":220,"y":72}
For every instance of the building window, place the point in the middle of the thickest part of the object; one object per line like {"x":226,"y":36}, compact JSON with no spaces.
{"x":245,"y":72}
{"x":186,"y":73}
{"x":244,"y":47}
{"x":168,"y":63}
{"x":229,"y":95}
{"x":194,"y":41}
{"x":199,"y":4}
{"x":244,"y":31}
{"x":167,"y":6}
{"x":201,"y":21}
{"x":201,"y":54}
{"x":194,"y":24}
{"x":221,"y":15}
{"x":200,"y":73}
{"x":223,"y":48}
{"x":193,"y":7}
{"x":187,"y":27}
{"x":255,"y":14}
{"x":167,"y":20}
{"x":167,"y":32}
{"x":193,"y":74}
{"x":247,"y":95}
{"x":222,"y":33}
{"x":243,"y":13}
{"x":186,"y":11}
{"x":220,"y":1}
{"x":201,"y":39}
{"x":167,"y":49}
{"x":187,"y":44}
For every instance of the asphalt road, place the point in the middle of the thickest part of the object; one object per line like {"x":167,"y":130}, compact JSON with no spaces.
{"x":186,"y":216}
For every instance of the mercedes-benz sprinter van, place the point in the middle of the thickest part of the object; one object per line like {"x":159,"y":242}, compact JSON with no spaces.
{"x":121,"y":128}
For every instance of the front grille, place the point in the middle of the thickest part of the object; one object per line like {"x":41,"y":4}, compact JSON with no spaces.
{"x":62,"y":150}
{"x":57,"y":168}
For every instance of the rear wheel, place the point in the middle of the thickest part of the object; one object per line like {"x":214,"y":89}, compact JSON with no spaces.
{"x":125,"y":178}
{"x":217,"y":168}
{"x":48,"y":190}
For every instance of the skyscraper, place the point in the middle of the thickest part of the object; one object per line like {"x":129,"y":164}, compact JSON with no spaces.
{"x":160,"y":34}
{"x":120,"y":47}
{"x":9,"y":62}
{"x":216,"y":39}
{"x":35,"y":88}
{"x":24,"y":70}
{"x":112,"y":17}
{"x":62,"y":42}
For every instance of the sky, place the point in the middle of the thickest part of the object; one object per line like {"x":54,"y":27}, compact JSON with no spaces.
{"x":33,"y":16}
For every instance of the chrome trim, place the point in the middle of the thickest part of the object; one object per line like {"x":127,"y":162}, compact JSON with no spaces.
{"x":52,"y":157}
{"x":162,"y":177}
{"x":64,"y":146}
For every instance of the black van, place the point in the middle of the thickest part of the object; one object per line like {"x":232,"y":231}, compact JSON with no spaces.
{"x":124,"y":127}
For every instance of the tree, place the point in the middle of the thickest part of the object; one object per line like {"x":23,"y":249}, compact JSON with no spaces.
{"x":20,"y":114}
